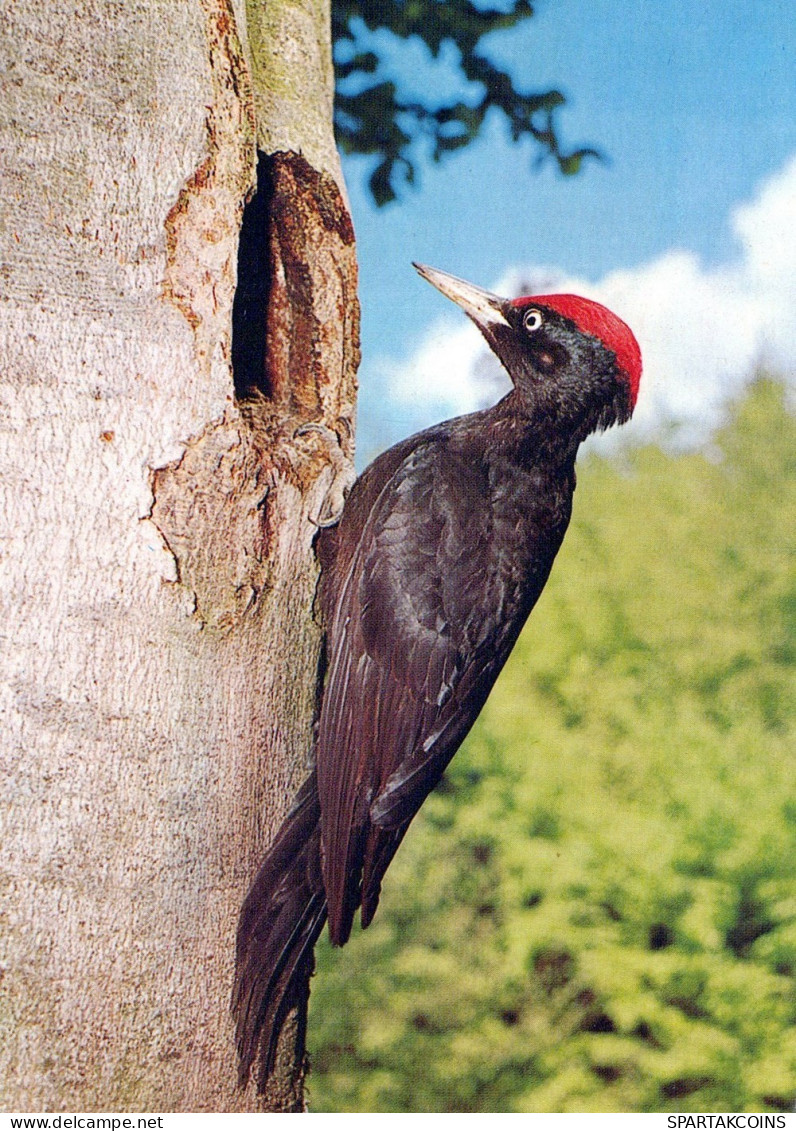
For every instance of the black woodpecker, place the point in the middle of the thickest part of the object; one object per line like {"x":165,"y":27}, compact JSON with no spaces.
{"x":444,"y":546}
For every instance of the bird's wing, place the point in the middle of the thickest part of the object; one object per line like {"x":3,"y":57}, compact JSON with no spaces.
{"x":421,"y":624}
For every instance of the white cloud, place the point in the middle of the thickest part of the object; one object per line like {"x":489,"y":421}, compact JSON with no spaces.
{"x":702,"y":331}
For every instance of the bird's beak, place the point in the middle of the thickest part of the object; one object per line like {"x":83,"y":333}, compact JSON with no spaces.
{"x":482,"y":306}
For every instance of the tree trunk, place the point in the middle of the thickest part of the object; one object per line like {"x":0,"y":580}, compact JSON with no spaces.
{"x":159,"y":663}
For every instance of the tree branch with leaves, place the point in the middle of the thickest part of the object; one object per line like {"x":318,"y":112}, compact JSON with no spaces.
{"x":373,"y":115}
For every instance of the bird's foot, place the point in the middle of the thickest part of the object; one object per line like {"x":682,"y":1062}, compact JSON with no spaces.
{"x":339,"y":472}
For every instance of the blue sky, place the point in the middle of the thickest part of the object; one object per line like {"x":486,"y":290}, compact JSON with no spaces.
{"x":694,"y":106}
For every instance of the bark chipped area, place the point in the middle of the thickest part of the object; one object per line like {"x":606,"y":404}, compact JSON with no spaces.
{"x":202,"y":226}
{"x":221,"y":506}
{"x":313,"y":310}
{"x":210,"y":509}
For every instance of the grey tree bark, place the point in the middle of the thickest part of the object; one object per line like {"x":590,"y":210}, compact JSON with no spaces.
{"x":159,"y":656}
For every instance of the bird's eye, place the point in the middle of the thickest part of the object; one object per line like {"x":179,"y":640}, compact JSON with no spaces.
{"x":532,"y":320}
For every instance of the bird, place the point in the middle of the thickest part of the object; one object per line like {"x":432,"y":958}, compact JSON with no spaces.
{"x":444,"y":545}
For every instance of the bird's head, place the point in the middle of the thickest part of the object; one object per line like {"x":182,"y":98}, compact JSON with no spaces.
{"x":571,"y":359}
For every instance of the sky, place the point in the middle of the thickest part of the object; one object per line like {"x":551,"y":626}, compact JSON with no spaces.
{"x":687,"y":230}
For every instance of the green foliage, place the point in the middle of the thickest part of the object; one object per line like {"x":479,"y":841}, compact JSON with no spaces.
{"x":596,"y":911}
{"x":373,"y":116}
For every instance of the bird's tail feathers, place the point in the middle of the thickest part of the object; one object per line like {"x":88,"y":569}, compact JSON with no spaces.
{"x":281,"y":919}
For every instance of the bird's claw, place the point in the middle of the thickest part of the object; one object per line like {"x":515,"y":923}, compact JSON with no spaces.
{"x":332,"y":507}
{"x":341,"y":469}
{"x":324,"y":430}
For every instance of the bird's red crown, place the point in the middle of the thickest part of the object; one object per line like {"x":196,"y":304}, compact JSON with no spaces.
{"x":594,"y":318}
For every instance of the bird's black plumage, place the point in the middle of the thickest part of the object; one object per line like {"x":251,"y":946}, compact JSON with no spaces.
{"x":444,"y":547}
